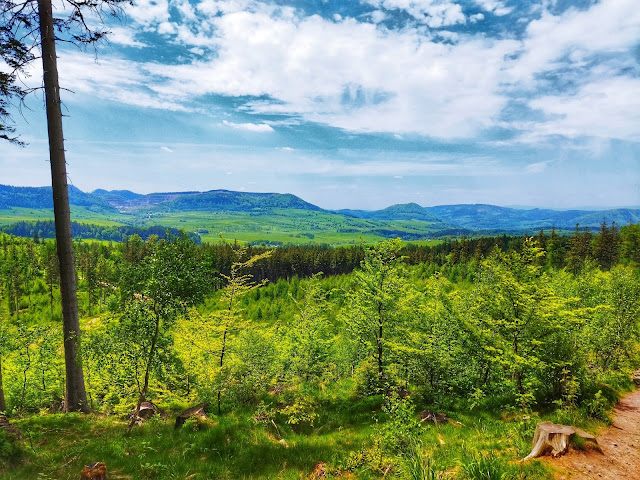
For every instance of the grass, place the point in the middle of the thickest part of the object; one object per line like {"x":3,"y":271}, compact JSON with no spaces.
{"x":284,"y":226}
{"x":234,"y":446}
{"x":78,"y":214}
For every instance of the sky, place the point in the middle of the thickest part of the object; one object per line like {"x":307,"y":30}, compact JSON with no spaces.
{"x":353,"y":103}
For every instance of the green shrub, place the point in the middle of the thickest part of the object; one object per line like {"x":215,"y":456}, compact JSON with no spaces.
{"x":11,"y":450}
{"x":598,"y":407}
{"x":400,"y":434}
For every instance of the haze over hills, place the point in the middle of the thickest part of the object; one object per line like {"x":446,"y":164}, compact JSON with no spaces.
{"x":267,"y":215}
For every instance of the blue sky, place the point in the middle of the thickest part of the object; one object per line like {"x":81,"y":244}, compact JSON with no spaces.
{"x":355,"y":104}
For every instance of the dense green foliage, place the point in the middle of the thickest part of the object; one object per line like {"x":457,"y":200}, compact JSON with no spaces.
{"x":477,"y":328}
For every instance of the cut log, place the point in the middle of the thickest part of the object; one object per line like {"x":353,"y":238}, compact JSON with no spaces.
{"x":196,"y":412}
{"x":553,"y":438}
{"x":437,"y":418}
{"x":94,"y":471}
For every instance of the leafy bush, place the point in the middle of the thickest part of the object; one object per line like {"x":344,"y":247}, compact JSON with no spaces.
{"x":10,"y":448}
{"x":598,"y":406}
{"x":400,"y":434}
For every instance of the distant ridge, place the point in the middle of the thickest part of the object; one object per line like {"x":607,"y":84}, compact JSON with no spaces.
{"x":42,"y":198}
{"x":238,"y":201}
{"x":125,"y":199}
{"x":425,"y":221}
{"x":493,"y":218}
{"x":406,"y":211}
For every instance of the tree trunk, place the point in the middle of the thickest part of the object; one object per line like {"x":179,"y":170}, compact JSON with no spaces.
{"x":152,"y":352}
{"x":379,"y":343}
{"x":3,"y":405}
{"x":76,"y":397}
{"x":224,"y":347}
{"x":145,"y":387}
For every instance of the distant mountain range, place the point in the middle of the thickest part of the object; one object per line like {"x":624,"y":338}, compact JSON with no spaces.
{"x":491,"y":218}
{"x":463,"y":218}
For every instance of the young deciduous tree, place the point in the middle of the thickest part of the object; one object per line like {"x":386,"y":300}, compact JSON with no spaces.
{"x":630,"y":249}
{"x":516,"y":313}
{"x":377,"y":304}
{"x":209,"y":337}
{"x":157,"y":290}
{"x":308,"y":340}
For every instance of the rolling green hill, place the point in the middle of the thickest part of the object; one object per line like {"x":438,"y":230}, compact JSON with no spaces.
{"x":274,"y":218}
{"x":407,"y":211}
{"x":225,"y":200}
{"x":42,"y":198}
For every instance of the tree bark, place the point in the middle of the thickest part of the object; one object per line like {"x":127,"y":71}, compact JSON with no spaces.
{"x":3,"y":405}
{"x":379,"y":342}
{"x":76,"y":397}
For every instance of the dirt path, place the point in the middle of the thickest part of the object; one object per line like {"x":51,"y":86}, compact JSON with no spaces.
{"x":620,"y":444}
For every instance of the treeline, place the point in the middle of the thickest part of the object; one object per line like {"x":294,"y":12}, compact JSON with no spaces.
{"x":456,"y":258}
{"x":46,"y":229}
{"x":610,"y":245}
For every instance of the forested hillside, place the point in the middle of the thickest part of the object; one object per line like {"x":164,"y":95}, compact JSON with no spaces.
{"x":275,"y":218}
{"x":312,"y":355}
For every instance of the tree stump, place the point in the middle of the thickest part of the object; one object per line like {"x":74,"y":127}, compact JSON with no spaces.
{"x":196,"y":411}
{"x":9,"y":428}
{"x":147,"y":410}
{"x":550,"y":437}
{"x":94,"y":471}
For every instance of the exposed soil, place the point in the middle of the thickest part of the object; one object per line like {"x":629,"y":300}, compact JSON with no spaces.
{"x":620,"y":445}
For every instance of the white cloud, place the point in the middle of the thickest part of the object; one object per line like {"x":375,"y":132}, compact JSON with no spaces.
{"x":124,"y":36}
{"x":537,"y":167}
{"x":433,"y":13}
{"x":110,"y":79}
{"x":575,"y":37}
{"x":363,"y":77}
{"x":496,"y":7}
{"x":608,"y":108}
{"x":166,"y":149}
{"x":590,"y":51}
{"x":149,"y":12}
{"x":349,"y":74}
{"x":378,"y":16}
{"x":250,"y":127}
